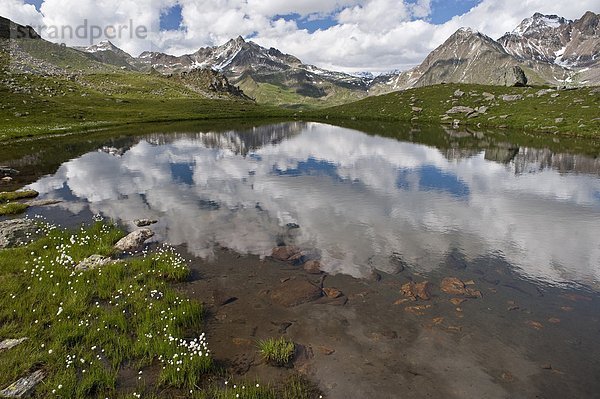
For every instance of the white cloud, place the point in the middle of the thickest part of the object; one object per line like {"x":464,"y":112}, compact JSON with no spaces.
{"x":376,"y":35}
{"x":18,"y":11}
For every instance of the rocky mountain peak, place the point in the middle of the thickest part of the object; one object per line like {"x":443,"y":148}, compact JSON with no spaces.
{"x":474,"y":38}
{"x":588,"y":24}
{"x":539,"y":23}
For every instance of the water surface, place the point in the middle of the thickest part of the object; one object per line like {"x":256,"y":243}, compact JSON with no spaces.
{"x":359,"y":202}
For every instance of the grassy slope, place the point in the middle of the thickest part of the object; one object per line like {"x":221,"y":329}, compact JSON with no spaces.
{"x":579,"y":109}
{"x":51,"y":105}
{"x":274,"y":95}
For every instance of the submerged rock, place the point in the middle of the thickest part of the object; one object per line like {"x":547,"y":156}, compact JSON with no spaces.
{"x":134,"y":241}
{"x":286,"y":253}
{"x":24,"y":386}
{"x":17,"y":232}
{"x":417,"y":291}
{"x":144,"y":222}
{"x":312,"y":267}
{"x":332,"y":293}
{"x":295,"y":292}
{"x":455,"y":286}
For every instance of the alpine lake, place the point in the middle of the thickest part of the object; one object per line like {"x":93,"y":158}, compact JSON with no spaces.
{"x":449,"y":263}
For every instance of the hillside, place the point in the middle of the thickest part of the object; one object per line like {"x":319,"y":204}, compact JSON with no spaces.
{"x":563,"y":113}
{"x":47,"y":89}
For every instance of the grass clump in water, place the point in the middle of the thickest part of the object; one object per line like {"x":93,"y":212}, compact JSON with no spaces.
{"x":17,"y":195}
{"x":277,"y":351}
{"x":85,"y":327}
{"x":12,"y":208}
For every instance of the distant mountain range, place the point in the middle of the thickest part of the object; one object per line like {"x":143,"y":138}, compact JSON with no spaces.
{"x":549,"y":49}
{"x":543,"y":49}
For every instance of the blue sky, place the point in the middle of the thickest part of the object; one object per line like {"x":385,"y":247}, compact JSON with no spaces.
{"x":442,"y":11}
{"x":345,"y":35}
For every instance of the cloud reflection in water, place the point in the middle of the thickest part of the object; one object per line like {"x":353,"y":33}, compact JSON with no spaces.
{"x":357,"y":199}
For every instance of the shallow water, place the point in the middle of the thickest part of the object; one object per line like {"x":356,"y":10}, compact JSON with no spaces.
{"x":358,"y":202}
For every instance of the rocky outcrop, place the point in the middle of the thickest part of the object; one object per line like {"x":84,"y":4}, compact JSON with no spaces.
{"x":516,"y":77}
{"x":207,"y":79}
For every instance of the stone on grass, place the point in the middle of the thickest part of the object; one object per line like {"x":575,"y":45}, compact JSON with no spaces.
{"x":460,"y":109}
{"x":93,"y":262}
{"x":512,"y":97}
{"x":17,"y":232}
{"x":23,"y":387}
{"x":134,"y":241}
{"x":488,"y":96}
{"x":11,"y":343}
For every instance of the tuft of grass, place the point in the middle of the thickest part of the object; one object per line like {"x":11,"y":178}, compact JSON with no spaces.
{"x":84,"y":327}
{"x":277,"y":351}
{"x":17,"y":195}
{"x":12,"y":208}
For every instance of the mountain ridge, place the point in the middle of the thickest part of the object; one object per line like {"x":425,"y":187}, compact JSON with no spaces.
{"x":541,"y":50}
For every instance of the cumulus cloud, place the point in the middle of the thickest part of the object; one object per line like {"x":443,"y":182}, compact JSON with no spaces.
{"x":375,"y":35}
